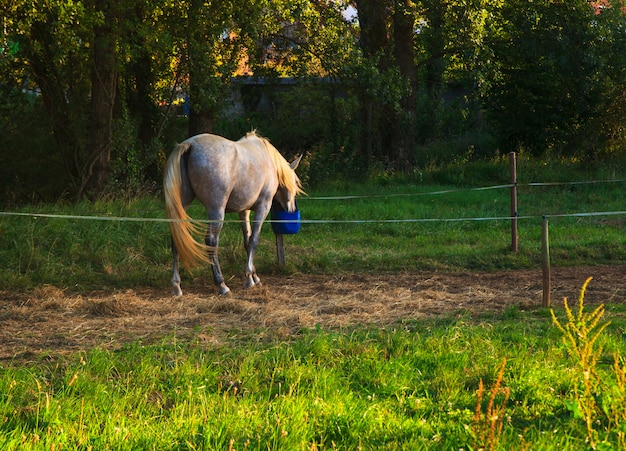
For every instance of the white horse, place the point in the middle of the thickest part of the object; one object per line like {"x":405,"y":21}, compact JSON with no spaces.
{"x":225,"y":176}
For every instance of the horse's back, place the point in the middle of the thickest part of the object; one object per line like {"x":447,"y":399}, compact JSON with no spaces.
{"x":213,"y":146}
{"x":221,"y":170}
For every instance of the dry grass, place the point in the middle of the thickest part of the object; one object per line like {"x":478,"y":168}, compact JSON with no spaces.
{"x":51,"y":319}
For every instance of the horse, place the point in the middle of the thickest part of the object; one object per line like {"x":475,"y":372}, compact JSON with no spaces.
{"x":226,"y":177}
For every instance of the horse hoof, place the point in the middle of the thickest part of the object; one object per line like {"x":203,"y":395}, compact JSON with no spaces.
{"x":251,"y":283}
{"x":224,"y":290}
{"x":177,"y":292}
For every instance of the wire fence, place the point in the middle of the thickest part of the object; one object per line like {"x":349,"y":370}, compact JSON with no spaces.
{"x":484,"y":188}
{"x":366,"y":196}
{"x":514,"y":217}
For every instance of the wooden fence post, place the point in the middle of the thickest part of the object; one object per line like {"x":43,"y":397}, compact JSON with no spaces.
{"x":545,"y":262}
{"x":513,"y":169}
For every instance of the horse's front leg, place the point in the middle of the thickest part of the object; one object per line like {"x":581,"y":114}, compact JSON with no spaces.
{"x":251,"y":278}
{"x":212,"y":240}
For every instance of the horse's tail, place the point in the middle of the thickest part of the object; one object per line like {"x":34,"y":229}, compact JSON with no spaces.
{"x":182,"y":227}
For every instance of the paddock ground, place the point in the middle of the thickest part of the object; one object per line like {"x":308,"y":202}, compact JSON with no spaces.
{"x":52,"y":321}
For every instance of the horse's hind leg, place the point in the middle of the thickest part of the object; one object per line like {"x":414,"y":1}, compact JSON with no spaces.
{"x":244,"y":219}
{"x":175,"y":273}
{"x":212,"y":240}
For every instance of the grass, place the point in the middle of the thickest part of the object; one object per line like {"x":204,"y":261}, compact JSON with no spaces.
{"x":433,"y":384}
{"x":411,"y":387}
{"x":445,"y":236}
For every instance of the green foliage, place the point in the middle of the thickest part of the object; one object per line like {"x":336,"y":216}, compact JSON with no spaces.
{"x":31,"y":168}
{"x":134,"y":167}
{"x":544,"y":77}
{"x":314,"y":118}
{"x":549,"y":70}
{"x":306,"y":39}
{"x":580,"y":335}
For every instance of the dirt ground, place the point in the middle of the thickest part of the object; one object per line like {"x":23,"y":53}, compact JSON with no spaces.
{"x":51,"y":320}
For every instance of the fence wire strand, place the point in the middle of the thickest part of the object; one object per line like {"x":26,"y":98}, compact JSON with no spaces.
{"x":361,"y":221}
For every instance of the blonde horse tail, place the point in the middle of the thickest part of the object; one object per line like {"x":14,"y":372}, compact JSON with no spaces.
{"x":182,"y":228}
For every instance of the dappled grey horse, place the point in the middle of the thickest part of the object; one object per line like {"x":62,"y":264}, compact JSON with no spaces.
{"x":225,"y":176}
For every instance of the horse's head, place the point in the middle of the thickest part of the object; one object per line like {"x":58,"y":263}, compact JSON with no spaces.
{"x":286,"y":194}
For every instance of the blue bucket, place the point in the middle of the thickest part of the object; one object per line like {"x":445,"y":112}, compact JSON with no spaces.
{"x":289,"y":222}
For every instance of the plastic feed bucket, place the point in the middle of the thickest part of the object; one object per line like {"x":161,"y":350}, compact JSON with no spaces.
{"x":289,"y":222}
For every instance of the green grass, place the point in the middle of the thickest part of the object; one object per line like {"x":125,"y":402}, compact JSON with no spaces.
{"x":413,"y":386}
{"x":442,"y":233}
{"x":410,"y":387}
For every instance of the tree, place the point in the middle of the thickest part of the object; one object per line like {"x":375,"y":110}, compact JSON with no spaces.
{"x":102,"y":98}
{"x":547,"y":76}
{"x":414,"y":46}
{"x":381,"y":83}
{"x":551,"y":74}
{"x":216,"y":36}
{"x":404,"y":55}
{"x":78,"y":56}
{"x":77,"y":85}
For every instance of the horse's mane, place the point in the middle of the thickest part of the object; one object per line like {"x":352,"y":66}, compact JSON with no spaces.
{"x":284,"y":172}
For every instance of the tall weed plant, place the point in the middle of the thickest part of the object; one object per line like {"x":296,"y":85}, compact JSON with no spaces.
{"x":487,"y":426}
{"x":599,"y":398}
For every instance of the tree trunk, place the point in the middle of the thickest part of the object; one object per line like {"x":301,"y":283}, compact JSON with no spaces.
{"x":373,"y":20}
{"x":103,"y":90}
{"x":404,"y":52}
{"x":201,"y":113}
{"x":140,"y":103}
{"x":374,"y":42}
{"x":435,"y":47}
{"x":200,"y":122}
